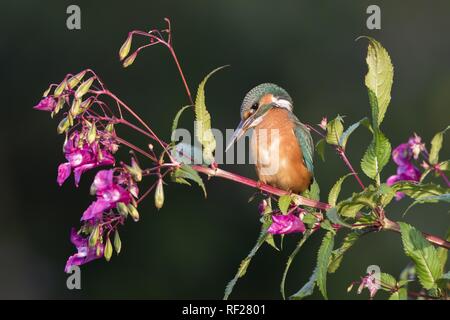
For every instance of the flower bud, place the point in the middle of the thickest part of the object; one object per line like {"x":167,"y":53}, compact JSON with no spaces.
{"x":117,"y":242}
{"x":75,"y":110}
{"x":84,"y":88}
{"x":350,"y":287}
{"x":72,"y":82}
{"x":129,"y":61}
{"x":122,"y":209}
{"x":134,"y":170}
{"x":108,"y":250}
{"x":63,"y":126}
{"x":125,"y":48}
{"x":92,"y":135}
{"x":93,"y":238}
{"x":59,"y":89}
{"x":159,"y":195}
{"x":99,"y":250}
{"x":133,"y":212}
{"x":110,"y":127}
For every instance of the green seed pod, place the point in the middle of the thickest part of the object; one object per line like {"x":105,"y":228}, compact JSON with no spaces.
{"x":72,"y":82}
{"x":133,"y":212}
{"x":92,"y":135}
{"x":108,"y":250}
{"x":75,"y":110}
{"x":122,"y":209}
{"x":159,"y":194}
{"x":117,"y":242}
{"x":63,"y":126}
{"x":125,"y":48}
{"x":129,"y":61}
{"x":59,"y":89}
{"x":84,"y":88}
{"x":93,"y":238}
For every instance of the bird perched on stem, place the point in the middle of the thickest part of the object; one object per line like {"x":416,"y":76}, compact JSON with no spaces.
{"x":281,"y":145}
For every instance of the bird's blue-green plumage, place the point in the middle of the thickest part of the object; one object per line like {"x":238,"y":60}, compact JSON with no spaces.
{"x":306,"y":143}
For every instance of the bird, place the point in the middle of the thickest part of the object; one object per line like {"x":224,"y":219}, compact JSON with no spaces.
{"x":281,"y":145}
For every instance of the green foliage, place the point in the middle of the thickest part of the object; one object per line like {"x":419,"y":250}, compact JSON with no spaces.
{"x":367,"y":198}
{"x":379,"y":79}
{"x":283,"y":203}
{"x":323,"y":260}
{"x":418,"y":191}
{"x":203,"y":122}
{"x":338,"y":254}
{"x":246,"y":262}
{"x":335,"y":190}
{"x":376,"y":156}
{"x":291,"y":258}
{"x":344,"y":137}
{"x":334,"y":131}
{"x":176,"y":119}
{"x":320,"y":148}
{"x":307,"y":289}
{"x":184,"y":173}
{"x":334,"y":217}
{"x":436,"y":146}
{"x":423,"y":254}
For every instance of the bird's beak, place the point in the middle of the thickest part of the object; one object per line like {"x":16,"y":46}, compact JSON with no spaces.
{"x":242,"y":128}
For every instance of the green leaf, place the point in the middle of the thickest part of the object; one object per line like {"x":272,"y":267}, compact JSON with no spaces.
{"x":387,"y":281}
{"x":417,"y":190}
{"x":176,"y":119}
{"x":271,"y":242}
{"x":376,"y":156}
{"x":430,"y":199}
{"x":290,"y":259}
{"x":336,"y":189}
{"x":283,"y":203}
{"x":313,"y":192}
{"x":203,"y":121}
{"x":338,"y":254}
{"x":436,"y":146}
{"x":344,"y":137}
{"x":366,"y":198}
{"x":323,"y":260}
{"x":443,"y":253}
{"x":307,"y":289}
{"x":246,"y":262}
{"x":334,"y":131}
{"x":379,"y":77}
{"x":333,"y":216}
{"x":400,"y":294}
{"x":186,"y":172}
{"x":423,"y":254}
{"x":320,"y":149}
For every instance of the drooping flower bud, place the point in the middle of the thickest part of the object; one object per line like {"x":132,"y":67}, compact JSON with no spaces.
{"x":125,"y":48}
{"x":59,"y":89}
{"x":108,"y":250}
{"x":93,"y":238}
{"x":75,"y":108}
{"x":133,"y":212}
{"x":134,"y":170}
{"x":159,"y":195}
{"x":63,"y":125}
{"x":129,"y":61}
{"x":84,"y":88}
{"x":73,"y":81}
{"x":117,"y":242}
{"x":122,"y":209}
{"x":92,"y":134}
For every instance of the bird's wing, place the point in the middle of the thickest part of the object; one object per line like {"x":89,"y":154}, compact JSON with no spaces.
{"x":306,"y":143}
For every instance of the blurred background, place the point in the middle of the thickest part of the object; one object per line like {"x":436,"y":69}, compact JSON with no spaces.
{"x":192,"y":247}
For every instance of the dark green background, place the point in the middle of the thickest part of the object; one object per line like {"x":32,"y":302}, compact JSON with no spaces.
{"x":192,"y":247}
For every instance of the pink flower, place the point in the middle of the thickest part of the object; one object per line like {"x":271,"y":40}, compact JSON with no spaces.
{"x":85,"y":253}
{"x":108,"y":195}
{"x":82,"y":158}
{"x":416,"y":145}
{"x":371,"y":283}
{"x":284,"y":224}
{"x":46,"y":104}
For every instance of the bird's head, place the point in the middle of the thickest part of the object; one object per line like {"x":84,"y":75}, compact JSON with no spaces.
{"x":256,"y":104}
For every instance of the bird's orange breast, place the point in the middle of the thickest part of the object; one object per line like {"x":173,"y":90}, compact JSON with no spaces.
{"x":277,"y":153}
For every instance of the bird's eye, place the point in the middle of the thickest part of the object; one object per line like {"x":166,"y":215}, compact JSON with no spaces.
{"x":255,"y":106}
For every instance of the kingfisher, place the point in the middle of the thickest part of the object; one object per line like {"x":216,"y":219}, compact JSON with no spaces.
{"x":281,"y":145}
